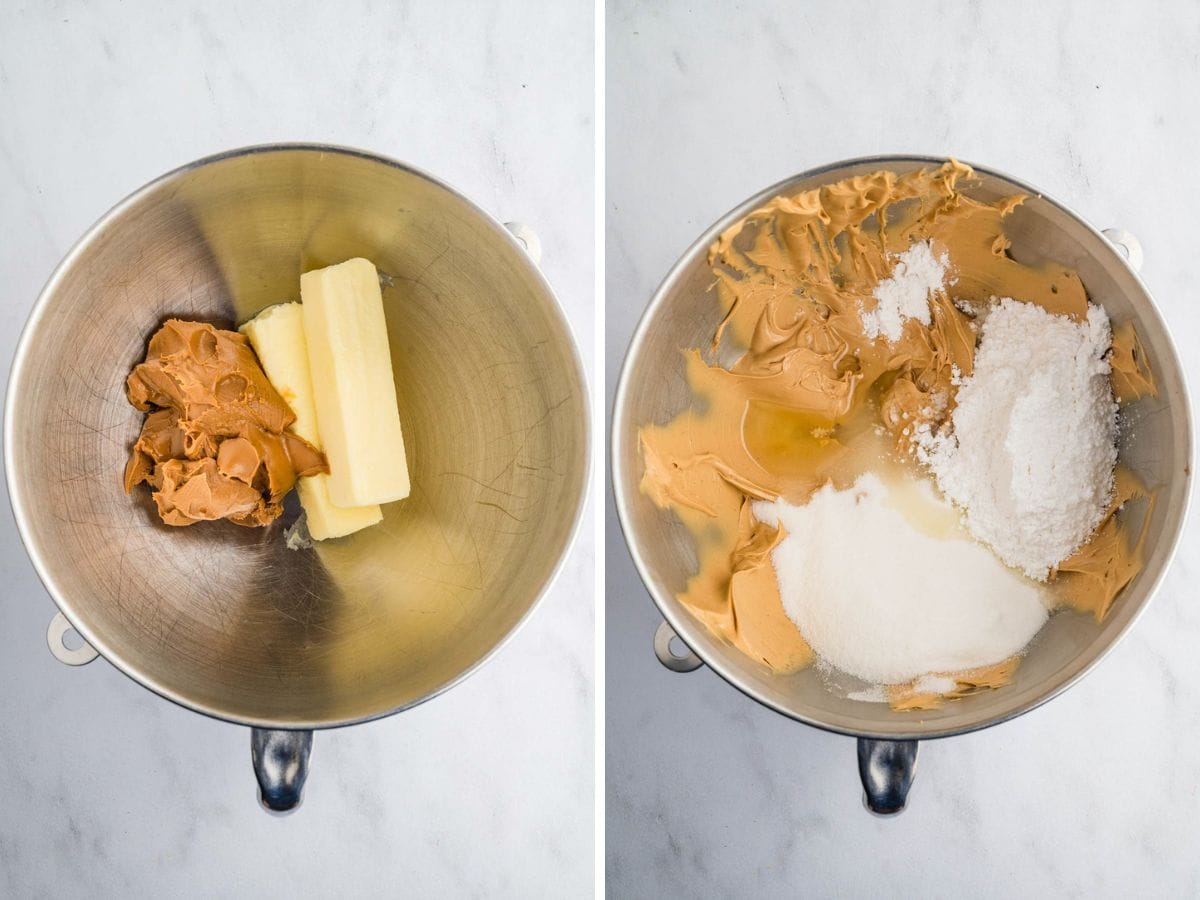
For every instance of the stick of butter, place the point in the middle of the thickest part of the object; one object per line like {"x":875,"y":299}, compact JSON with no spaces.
{"x":353,"y":386}
{"x":277,"y":335}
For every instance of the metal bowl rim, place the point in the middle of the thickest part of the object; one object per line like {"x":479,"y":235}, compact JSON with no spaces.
{"x":18,"y":503}
{"x":684,"y":624}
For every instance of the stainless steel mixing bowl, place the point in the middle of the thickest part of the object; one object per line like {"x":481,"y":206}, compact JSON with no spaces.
{"x":1157,"y":445}
{"x":226,"y":620}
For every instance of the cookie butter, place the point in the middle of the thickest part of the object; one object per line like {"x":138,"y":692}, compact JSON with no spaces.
{"x":213,"y":445}
{"x":810,"y":399}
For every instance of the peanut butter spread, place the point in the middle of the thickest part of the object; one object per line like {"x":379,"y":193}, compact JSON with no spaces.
{"x":904,"y":697}
{"x":214,"y":445}
{"x":798,"y":396}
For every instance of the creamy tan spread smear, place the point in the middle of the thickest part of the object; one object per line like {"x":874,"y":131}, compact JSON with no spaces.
{"x":215,"y":444}
{"x":813,"y":400}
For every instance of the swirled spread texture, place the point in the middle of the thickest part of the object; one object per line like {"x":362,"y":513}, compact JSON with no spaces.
{"x":214,"y":444}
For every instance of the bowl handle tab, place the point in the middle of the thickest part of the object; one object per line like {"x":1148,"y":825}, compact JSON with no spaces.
{"x":686,"y":662}
{"x":1130,"y":246}
{"x":887,"y":769}
{"x":280,"y":761}
{"x":77,"y":656}
{"x":528,"y":239}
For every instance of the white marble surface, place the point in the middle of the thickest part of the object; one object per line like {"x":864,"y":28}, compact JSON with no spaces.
{"x":1095,"y":794}
{"x":106,"y":790}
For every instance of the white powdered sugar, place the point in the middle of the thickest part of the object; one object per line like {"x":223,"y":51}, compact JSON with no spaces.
{"x":886,"y":585}
{"x":1030,"y":453}
{"x":905,"y":293}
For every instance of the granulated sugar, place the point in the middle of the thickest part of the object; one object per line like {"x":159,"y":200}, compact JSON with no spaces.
{"x":874,"y":694}
{"x":1031,"y":452}
{"x":885,"y":584}
{"x":905,"y":293}
{"x":934,"y":684}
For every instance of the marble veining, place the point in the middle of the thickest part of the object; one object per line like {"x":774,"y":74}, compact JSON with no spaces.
{"x":1095,"y":793}
{"x":107,"y":790}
